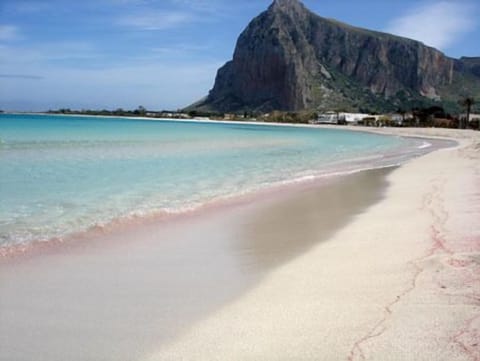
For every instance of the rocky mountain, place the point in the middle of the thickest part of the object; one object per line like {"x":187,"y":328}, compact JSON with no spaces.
{"x":289,"y":58}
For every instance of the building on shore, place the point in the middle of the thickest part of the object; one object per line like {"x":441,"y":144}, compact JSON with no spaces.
{"x":342,"y":118}
{"x":473,"y":117}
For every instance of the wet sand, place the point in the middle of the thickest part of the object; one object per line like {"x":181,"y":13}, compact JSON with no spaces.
{"x":123,"y":295}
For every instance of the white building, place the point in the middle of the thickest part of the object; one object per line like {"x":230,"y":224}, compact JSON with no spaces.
{"x":327,"y":118}
{"x":342,"y":118}
{"x":473,"y":116}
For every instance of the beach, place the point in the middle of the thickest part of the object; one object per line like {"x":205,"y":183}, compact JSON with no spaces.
{"x":400,"y":282}
{"x":378,"y":265}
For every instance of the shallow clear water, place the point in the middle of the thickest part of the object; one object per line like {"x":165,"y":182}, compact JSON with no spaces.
{"x":60,"y":175}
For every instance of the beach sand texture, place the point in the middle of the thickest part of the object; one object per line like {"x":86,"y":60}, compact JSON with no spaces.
{"x":400,"y":282}
{"x":395,"y":278}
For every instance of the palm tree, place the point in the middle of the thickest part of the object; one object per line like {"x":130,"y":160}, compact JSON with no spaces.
{"x":467,"y":102}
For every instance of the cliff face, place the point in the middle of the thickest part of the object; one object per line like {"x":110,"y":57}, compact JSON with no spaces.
{"x":272,"y":63}
{"x":386,"y":64}
{"x":291,"y":59}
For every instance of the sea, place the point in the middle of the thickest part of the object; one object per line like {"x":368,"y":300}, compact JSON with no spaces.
{"x":64,"y":175}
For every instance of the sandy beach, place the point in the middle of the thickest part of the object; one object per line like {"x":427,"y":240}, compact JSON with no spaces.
{"x":400,"y":282}
{"x":379,"y":265}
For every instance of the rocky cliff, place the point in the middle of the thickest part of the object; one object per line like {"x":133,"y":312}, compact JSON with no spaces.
{"x":289,"y":58}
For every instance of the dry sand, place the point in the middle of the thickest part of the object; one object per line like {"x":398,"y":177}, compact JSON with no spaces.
{"x":400,"y":282}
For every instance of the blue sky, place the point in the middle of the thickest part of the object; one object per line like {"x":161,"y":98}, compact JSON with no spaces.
{"x":164,"y":54}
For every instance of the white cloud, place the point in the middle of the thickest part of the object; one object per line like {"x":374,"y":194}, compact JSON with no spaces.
{"x":9,"y":32}
{"x":159,"y":20}
{"x":438,"y":24}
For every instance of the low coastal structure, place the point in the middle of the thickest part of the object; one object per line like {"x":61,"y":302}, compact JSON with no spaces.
{"x":473,"y":117}
{"x":341,"y":118}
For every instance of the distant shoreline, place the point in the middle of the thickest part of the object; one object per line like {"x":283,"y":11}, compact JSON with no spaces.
{"x":411,"y":132}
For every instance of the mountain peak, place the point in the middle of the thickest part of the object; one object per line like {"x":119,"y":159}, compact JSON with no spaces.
{"x":286,"y":3}
{"x":287,"y":6}
{"x":289,"y":58}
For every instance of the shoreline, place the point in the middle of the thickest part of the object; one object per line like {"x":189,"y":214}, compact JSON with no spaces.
{"x":18,"y":251}
{"x":154,"y":282}
{"x":31,"y":248}
{"x":136,"y":220}
{"x":399,"y":278}
{"x":360,"y":128}
{"x":91,"y":234}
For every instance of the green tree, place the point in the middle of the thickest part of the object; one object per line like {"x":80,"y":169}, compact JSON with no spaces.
{"x":467,"y":103}
{"x":140,"y":111}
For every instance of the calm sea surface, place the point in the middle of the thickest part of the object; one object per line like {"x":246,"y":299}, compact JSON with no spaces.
{"x":60,"y":175}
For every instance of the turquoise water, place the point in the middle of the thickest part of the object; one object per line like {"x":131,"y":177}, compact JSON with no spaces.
{"x":61,"y":175}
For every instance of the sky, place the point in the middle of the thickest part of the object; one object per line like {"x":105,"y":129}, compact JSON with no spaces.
{"x":164,"y":54}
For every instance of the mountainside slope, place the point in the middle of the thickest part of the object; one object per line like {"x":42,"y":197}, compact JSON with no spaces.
{"x":289,"y":58}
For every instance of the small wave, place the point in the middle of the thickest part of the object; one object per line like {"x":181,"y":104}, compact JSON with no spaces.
{"x":424,"y":145}
{"x":117,"y":220}
{"x":3,"y":144}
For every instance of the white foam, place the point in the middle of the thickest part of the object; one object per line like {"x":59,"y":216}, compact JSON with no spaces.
{"x":424,"y":145}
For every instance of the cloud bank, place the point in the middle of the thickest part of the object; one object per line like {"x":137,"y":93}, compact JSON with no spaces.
{"x":438,"y":24}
